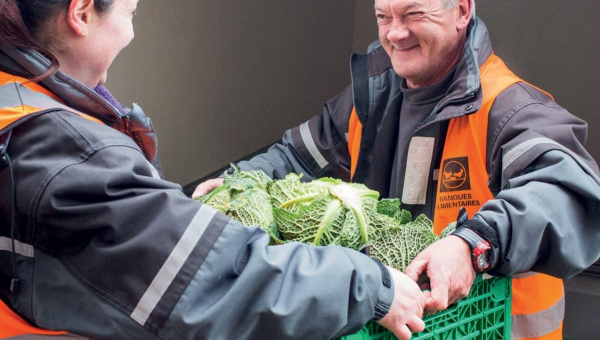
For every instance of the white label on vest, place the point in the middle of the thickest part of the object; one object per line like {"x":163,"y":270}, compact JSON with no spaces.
{"x":418,"y":164}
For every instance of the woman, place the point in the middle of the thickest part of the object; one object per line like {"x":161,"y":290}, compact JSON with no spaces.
{"x":93,"y":243}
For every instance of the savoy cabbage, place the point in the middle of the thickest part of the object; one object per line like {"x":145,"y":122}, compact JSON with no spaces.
{"x":323,"y":212}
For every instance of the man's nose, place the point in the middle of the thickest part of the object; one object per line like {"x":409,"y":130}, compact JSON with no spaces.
{"x":398,"y":31}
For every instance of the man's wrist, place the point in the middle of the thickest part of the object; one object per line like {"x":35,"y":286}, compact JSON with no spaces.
{"x":480,"y":248}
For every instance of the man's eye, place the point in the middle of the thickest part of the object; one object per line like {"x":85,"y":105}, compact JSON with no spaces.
{"x":382,"y":19}
{"x":414,"y":15}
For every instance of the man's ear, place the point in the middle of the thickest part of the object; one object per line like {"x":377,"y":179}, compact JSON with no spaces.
{"x":464,"y":8}
{"x":79,"y":15}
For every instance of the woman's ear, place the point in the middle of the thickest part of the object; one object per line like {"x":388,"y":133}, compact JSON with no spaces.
{"x":79,"y":15}
{"x":464,"y":14}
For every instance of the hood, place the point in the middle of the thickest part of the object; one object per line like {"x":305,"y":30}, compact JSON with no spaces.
{"x":97,"y":103}
{"x":30,"y":63}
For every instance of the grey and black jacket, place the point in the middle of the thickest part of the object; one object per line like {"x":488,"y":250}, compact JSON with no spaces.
{"x":106,"y":249}
{"x":545,"y":184}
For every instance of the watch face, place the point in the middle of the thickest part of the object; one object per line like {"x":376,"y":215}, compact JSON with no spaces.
{"x":483,"y":261}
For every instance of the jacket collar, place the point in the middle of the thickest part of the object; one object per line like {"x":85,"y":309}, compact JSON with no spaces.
{"x":27,"y":62}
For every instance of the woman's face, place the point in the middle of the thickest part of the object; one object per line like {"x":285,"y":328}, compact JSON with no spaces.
{"x":89,"y":56}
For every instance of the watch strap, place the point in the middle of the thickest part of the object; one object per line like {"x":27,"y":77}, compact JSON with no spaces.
{"x":478,"y":247}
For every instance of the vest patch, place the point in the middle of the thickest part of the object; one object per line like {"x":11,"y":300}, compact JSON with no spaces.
{"x":455,"y":175}
{"x":420,"y":152}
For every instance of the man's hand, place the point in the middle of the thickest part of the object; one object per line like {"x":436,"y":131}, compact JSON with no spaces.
{"x":207,"y":186}
{"x":406,"y":311}
{"x":448,"y":265}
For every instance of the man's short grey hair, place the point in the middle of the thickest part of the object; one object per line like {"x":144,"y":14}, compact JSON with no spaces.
{"x":452,"y":3}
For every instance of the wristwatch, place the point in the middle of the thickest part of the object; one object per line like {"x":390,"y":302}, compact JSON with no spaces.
{"x":481,"y":250}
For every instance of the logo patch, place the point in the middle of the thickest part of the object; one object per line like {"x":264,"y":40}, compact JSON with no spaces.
{"x":455,"y":175}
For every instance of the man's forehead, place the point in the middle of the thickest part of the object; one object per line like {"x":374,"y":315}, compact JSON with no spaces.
{"x":400,"y":4}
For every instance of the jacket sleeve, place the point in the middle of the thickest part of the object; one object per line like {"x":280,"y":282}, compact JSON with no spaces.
{"x":132,"y":257}
{"x":316,"y":148}
{"x":546,"y":187}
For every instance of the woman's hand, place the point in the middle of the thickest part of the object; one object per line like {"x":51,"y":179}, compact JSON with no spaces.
{"x":406,"y":311}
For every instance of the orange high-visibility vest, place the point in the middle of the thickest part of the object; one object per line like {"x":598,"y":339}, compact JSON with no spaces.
{"x":537,"y":299}
{"x":31,"y":99}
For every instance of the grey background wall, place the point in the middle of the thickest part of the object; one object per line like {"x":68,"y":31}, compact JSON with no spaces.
{"x":223,"y":78}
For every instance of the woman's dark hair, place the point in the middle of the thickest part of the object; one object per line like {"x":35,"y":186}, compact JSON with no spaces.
{"x":22,"y":21}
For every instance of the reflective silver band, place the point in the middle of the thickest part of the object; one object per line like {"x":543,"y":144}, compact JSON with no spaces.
{"x":173,"y":264}
{"x":520,"y":149}
{"x":418,"y":163}
{"x":523,"y":275}
{"x":538,"y":324}
{"x":154,"y":172}
{"x":311,"y":146}
{"x":9,"y":96}
{"x":14,"y":94}
{"x":20,"y":248}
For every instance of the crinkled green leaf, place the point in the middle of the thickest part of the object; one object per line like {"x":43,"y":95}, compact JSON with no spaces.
{"x":324,"y":212}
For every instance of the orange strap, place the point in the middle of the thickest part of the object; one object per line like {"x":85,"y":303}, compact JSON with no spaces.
{"x":463,"y":175}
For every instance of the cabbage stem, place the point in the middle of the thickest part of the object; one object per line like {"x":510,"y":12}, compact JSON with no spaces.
{"x":298,"y":199}
{"x":332,"y":211}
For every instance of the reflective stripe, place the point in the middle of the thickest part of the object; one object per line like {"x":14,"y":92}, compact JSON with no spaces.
{"x":416,"y":177}
{"x":173,"y":264}
{"x":538,"y":324}
{"x":311,"y":146}
{"x":523,"y":275}
{"x":520,"y":149}
{"x":10,"y":93}
{"x":155,"y":173}
{"x":20,"y":248}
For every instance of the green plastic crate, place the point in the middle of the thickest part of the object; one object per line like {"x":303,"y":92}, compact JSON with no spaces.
{"x":483,"y":315}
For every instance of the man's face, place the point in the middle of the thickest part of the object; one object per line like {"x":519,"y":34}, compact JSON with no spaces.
{"x":423,"y":39}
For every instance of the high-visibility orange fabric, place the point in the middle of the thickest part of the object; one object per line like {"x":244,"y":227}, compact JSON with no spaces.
{"x":466,"y":146}
{"x":354,"y":138}
{"x":9,"y":78}
{"x":10,"y":115}
{"x":464,"y":175}
{"x":12,"y":325}
{"x":552,"y":292}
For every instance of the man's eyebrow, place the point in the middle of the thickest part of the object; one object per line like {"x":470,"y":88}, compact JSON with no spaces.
{"x":406,"y":7}
{"x":413,"y":5}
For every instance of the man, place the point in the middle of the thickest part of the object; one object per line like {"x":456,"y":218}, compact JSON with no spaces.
{"x":439,"y":121}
